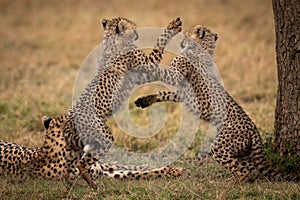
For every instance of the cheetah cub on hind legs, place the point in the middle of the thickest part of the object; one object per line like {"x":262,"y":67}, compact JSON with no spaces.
{"x":84,"y":127}
{"x":238,"y":145}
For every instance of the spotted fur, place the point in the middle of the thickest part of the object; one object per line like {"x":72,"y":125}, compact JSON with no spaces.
{"x":55,"y":160}
{"x":238,"y":145}
{"x":84,"y":127}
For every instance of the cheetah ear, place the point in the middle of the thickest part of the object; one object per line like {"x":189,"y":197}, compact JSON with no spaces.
{"x":216,"y":36}
{"x":104,"y":22}
{"x":46,"y":121}
{"x":200,"y":31}
{"x":117,"y":29}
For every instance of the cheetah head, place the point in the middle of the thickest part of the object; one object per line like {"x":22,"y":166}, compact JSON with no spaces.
{"x":54,"y":138}
{"x":119,"y":27}
{"x":202,"y":36}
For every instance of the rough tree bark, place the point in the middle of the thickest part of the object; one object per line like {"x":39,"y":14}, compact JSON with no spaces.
{"x":287,"y":112}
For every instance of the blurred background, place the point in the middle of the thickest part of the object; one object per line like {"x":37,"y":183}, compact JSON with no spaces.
{"x":43,"y":43}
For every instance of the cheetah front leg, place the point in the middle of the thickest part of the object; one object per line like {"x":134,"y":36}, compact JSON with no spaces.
{"x":175,"y":77}
{"x":161,"y":96}
{"x":172,"y":29}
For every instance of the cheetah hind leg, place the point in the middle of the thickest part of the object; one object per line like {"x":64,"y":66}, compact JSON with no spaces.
{"x":81,"y":165}
{"x":253,"y":172}
{"x":229,"y":161}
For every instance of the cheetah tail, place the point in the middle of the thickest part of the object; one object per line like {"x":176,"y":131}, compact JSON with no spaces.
{"x":263,"y":166}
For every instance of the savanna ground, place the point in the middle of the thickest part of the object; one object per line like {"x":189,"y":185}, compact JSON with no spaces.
{"x":43,"y":44}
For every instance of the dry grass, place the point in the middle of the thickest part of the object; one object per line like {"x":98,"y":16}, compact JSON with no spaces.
{"x":43,"y":44}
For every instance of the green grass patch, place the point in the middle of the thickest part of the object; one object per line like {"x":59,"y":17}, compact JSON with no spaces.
{"x":286,"y":164}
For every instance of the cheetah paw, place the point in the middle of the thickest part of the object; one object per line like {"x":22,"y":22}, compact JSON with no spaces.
{"x":175,"y":24}
{"x":142,"y":102}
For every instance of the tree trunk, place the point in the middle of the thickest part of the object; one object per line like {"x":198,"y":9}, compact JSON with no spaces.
{"x":287,"y":112}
